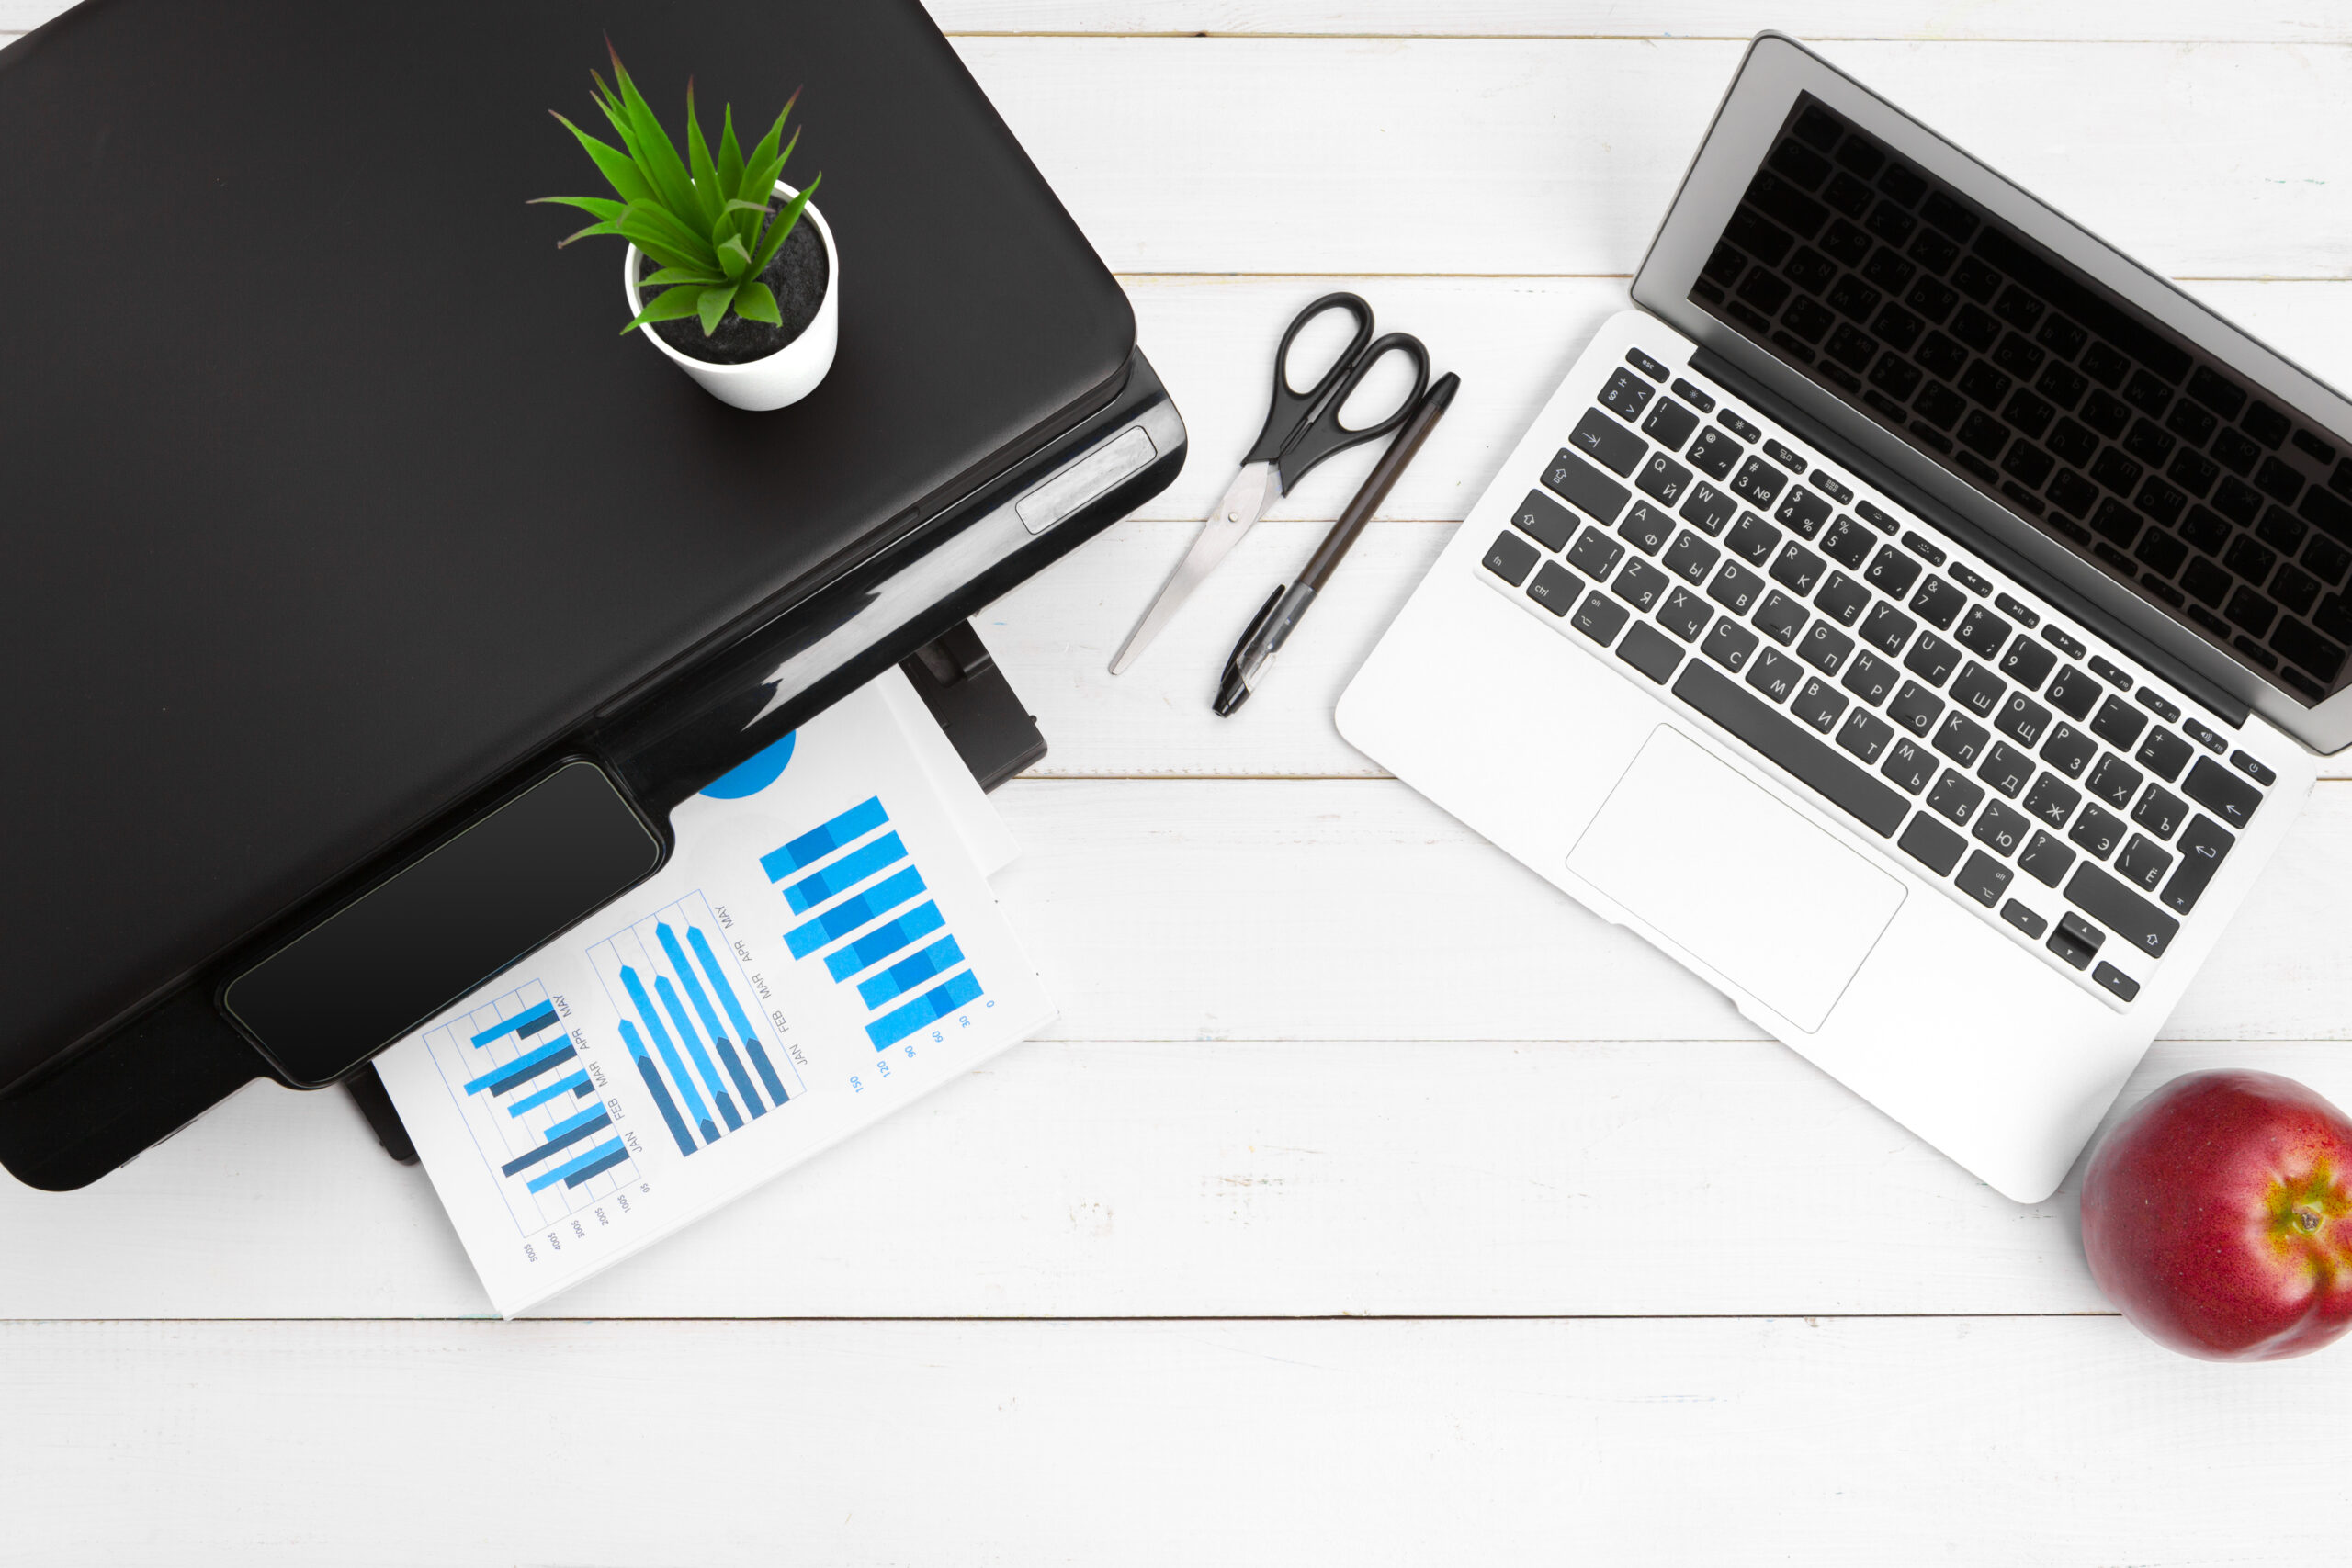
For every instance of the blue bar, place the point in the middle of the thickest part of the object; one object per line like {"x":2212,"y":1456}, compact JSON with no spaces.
{"x":883,"y":941}
{"x":843,"y":874}
{"x":599,"y":1161}
{"x":527,"y":1022}
{"x":522,"y":1069}
{"x":907,"y":973}
{"x":743,"y":1030}
{"x":562,"y":1136}
{"x":669,"y":1107}
{"x":677,"y":1008}
{"x":710,"y":1023}
{"x":853,"y":912}
{"x":933,"y":1005}
{"x":819,"y":842}
{"x":577,"y":1084}
{"x":678,"y":1073}
{"x":599,"y":1157}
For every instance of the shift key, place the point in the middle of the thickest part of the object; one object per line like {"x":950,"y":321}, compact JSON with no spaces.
{"x":1577,"y":481}
{"x":2122,"y":910}
{"x":1618,"y":449}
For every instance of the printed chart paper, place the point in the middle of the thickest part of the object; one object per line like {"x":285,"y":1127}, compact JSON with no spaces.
{"x":821,"y":947}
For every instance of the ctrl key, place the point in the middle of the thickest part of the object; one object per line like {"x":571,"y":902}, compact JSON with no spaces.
{"x":1510,"y":559}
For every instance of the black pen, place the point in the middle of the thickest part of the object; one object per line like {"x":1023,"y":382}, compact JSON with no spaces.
{"x":1254,"y":654}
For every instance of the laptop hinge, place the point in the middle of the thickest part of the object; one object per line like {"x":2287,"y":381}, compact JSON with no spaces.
{"x":2232,"y":710}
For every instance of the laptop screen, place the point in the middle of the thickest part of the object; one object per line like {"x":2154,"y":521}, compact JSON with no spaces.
{"x":2036,"y":385}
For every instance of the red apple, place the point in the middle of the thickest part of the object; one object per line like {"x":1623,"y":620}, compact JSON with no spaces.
{"x":2218,"y":1216}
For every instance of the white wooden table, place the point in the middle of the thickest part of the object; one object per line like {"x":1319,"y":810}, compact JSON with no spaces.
{"x":1371,"y":1203}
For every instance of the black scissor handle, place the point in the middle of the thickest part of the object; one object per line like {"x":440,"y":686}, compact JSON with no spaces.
{"x":1288,"y":417}
{"x":1325,"y":435}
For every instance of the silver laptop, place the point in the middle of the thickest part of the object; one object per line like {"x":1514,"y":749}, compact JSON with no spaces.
{"x":1918,"y":618}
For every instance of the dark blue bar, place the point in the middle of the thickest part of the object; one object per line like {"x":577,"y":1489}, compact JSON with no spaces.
{"x":523,"y":1069}
{"x":907,"y":973}
{"x":661,"y":1101}
{"x":574,"y":1175}
{"x":678,"y":1073}
{"x":853,"y":912}
{"x":710,"y":1023}
{"x":932,"y":1005}
{"x":598,"y":1157}
{"x":767,"y":1072}
{"x":562,"y":1136}
{"x":883,"y":941}
{"x":819,"y":842}
{"x":694,"y":1048}
{"x":719,"y":982}
{"x":524,"y":1024}
{"x":843,"y":874}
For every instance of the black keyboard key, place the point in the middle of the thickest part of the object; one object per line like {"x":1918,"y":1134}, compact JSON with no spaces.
{"x":1758,"y":484}
{"x":1931,"y":658}
{"x":1849,"y":542}
{"x":1684,"y":614}
{"x":1595,"y":554}
{"x":1919,"y":545}
{"x":1978,"y":690}
{"x":2122,"y":911}
{"x":1974,"y":581}
{"x":2142,"y":863}
{"x":2058,"y":637}
{"x":1600,"y":617}
{"x":2076,"y":941}
{"x":2119,"y":723}
{"x":2052,"y":801}
{"x":2116,"y":980}
{"x":2028,"y":664}
{"x":1788,"y":457}
{"x":1730,"y":645}
{"x":1669,"y":425}
{"x":1585,"y":487}
{"x":1714,"y":453}
{"x":1690,"y":558}
{"x":2024,"y":920}
{"x":1798,"y":568}
{"x":1870,"y":679}
{"x":1981,"y":632}
{"x":2096,"y":832}
{"x":1915,"y":708}
{"x":1556,"y":587}
{"x":1955,"y":799}
{"x":2114,"y":781}
{"x":2244,"y":763}
{"x":2112,"y":674}
{"x":2016,"y":611}
{"x":1842,"y":599}
{"x":2163,"y":754}
{"x":1864,"y":735}
{"x":1791,"y":748}
{"x":2069,"y":751}
{"x":1708,"y":509}
{"x":2160,"y":812}
{"x":1641,"y":584}
{"x":1546,"y":520}
{"x":2045,"y":858}
{"x":1729,"y":419}
{"x":1626,"y":395}
{"x":1693,"y":396}
{"x":1646,"y":528}
{"x":1908,"y":766}
{"x":1932,"y":844}
{"x":2202,"y":850}
{"x":1888,"y":628}
{"x":1827,"y":483}
{"x":1752,"y":539}
{"x":2221,"y":791}
{"x":2021,"y":719}
{"x":1775,"y":674}
{"x":1938,"y":604}
{"x":1961,"y":739}
{"x":1607,"y":443}
{"x":1891,"y":572}
{"x":1802,"y":512}
{"x":1780,"y":617}
{"x":1825,"y":648}
{"x":1818,"y":704}
{"x":2203,"y":734}
{"x":1736,"y":588}
{"x":1511,"y":558}
{"x":1651,"y":651}
{"x":2003,"y":829}
{"x":2156,"y":704}
{"x":1983,"y":879}
{"x":2074,"y":693}
{"x":1645,"y":364}
{"x":1663,"y":478}
{"x":2007,"y":769}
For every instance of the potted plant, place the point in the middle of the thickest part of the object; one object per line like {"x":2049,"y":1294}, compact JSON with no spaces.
{"x":748,"y":300}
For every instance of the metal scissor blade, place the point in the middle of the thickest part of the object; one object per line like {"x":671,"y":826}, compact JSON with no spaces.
{"x":1245,"y":501}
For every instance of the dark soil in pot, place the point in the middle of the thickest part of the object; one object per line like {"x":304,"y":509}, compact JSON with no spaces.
{"x":797,"y":275}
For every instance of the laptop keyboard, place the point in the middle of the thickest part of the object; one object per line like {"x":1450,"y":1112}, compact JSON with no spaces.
{"x":2048,"y":787}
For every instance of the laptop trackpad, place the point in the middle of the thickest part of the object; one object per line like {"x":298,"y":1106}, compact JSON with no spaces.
{"x":1737,"y":879}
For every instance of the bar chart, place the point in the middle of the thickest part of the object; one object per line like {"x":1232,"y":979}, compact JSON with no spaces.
{"x":862,"y":904}
{"x":709,"y":1068}
{"x":532,"y":1105}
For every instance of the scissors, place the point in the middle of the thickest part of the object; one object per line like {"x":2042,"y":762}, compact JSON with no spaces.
{"x":1302,"y":429}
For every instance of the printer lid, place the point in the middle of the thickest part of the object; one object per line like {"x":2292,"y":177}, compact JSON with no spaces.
{"x":334,"y":494}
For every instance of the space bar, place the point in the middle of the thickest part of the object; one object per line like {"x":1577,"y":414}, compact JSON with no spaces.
{"x":1790,"y":748}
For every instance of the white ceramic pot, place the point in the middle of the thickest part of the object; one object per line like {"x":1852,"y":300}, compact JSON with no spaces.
{"x":788,"y":375}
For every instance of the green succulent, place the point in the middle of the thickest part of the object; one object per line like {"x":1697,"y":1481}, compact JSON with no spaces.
{"x":703,"y":217}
